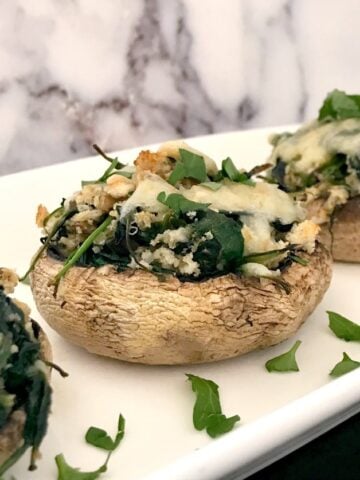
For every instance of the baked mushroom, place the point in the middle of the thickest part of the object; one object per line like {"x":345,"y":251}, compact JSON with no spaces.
{"x":25,"y":393}
{"x":176,"y":262}
{"x":319,"y":165}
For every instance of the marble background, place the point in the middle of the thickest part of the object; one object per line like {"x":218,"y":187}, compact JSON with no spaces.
{"x":129,"y":72}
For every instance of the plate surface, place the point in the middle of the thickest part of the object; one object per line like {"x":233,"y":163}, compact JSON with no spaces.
{"x":275,"y":409}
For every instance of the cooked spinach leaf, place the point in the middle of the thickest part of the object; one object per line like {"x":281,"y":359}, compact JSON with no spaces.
{"x":335,"y":170}
{"x":190,"y":165}
{"x":227,"y":232}
{"x":285,"y":362}
{"x":343,"y":327}
{"x":338,"y":105}
{"x":278,"y":174}
{"x":207,"y":413}
{"x":26,"y":384}
{"x":346,"y":365}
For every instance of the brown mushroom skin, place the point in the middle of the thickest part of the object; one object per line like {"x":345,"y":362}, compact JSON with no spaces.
{"x":345,"y":232}
{"x":11,"y":435}
{"x":134,"y":316}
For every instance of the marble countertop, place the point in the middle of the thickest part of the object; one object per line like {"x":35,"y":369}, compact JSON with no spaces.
{"x":123,"y":73}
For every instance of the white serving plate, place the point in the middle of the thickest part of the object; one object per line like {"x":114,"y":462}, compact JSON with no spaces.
{"x":279,"y":412}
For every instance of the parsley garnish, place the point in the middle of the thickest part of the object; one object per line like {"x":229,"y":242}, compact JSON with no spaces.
{"x":190,"y":165}
{"x":346,"y":365}
{"x":98,"y":438}
{"x":207,"y":413}
{"x":179,"y":204}
{"x":101,"y":439}
{"x":66,"y":472}
{"x":343,"y":328}
{"x":285,"y":362}
{"x":229,"y":170}
{"x":339,"y":106}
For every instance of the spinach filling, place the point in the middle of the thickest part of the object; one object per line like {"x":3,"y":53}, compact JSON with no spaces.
{"x":23,"y":384}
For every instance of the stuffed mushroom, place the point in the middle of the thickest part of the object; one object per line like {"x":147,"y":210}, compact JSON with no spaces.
{"x":25,"y":393}
{"x":319,"y":165}
{"x":175,"y":261}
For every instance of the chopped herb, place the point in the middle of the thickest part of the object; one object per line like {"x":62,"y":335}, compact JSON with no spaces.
{"x":96,"y":437}
{"x":190,"y":165}
{"x":207,"y":413}
{"x":101,"y":439}
{"x":179,"y":204}
{"x":344,"y":328}
{"x":285,"y":362}
{"x":230,"y":171}
{"x":346,"y":365}
{"x":65,"y":472}
{"x":338,"y":106}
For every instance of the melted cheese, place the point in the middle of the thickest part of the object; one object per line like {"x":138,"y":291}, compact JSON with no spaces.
{"x":145,"y":195}
{"x":263,"y":199}
{"x":315,"y":144}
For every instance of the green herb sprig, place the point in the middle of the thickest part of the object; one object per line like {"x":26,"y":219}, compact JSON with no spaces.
{"x":45,"y":245}
{"x":98,"y":438}
{"x":190,"y":165}
{"x":345,"y":366}
{"x":74,"y":257}
{"x":285,"y":362}
{"x":207,"y":413}
{"x":338,"y":105}
{"x":343,"y":327}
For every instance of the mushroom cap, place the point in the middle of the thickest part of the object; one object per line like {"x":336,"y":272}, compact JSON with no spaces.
{"x":345,"y":231}
{"x":133,"y":316}
{"x":11,"y":435}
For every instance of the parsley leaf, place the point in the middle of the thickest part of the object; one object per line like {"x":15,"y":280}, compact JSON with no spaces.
{"x":346,"y":365}
{"x":207,"y":413}
{"x":98,"y":438}
{"x":101,"y":439}
{"x":339,"y":106}
{"x":65,"y":472}
{"x":180,"y":204}
{"x":227,"y":232}
{"x":343,"y":328}
{"x":285,"y":362}
{"x":190,"y":165}
{"x":230,"y":171}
